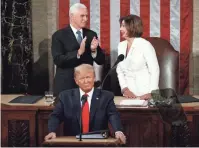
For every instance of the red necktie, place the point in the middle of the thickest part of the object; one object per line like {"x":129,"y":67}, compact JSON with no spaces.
{"x":85,"y":117}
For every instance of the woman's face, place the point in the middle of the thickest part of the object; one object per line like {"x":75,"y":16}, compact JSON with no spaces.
{"x":123,"y":30}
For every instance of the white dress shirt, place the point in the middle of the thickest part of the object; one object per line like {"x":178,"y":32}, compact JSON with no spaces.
{"x":89,"y":97}
{"x":75,"y":31}
{"x":93,"y":54}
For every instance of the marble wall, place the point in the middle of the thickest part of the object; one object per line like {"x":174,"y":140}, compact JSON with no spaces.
{"x":16,"y":45}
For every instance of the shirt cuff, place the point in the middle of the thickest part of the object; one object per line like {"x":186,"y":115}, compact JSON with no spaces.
{"x":78,"y":57}
{"x":119,"y":132}
{"x":94,"y":54}
{"x":124,"y":89}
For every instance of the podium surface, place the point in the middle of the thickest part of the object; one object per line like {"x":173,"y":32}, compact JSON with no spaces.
{"x":72,"y":141}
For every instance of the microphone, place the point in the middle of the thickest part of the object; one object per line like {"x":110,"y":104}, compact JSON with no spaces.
{"x":97,"y":84}
{"x":83,"y":100}
{"x":119,"y":59}
{"x":101,"y":134}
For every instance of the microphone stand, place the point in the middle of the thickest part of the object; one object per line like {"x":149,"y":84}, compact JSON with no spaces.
{"x":80,"y":135}
{"x":107,"y":75}
{"x":82,"y":105}
{"x":119,"y":59}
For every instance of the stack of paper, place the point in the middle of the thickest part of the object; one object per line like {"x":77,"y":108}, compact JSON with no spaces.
{"x":134,"y":102}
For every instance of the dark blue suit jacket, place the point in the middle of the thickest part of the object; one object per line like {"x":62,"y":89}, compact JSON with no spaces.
{"x":102,"y":111}
{"x":64,"y":52}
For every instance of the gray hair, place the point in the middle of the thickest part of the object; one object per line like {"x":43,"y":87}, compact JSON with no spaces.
{"x":83,"y":67}
{"x":74,"y":8}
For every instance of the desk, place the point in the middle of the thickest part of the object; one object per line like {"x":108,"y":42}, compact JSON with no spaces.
{"x":26,"y":125}
{"x":72,"y":141}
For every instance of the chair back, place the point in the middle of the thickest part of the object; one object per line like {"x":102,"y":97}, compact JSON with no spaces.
{"x":168,"y":59}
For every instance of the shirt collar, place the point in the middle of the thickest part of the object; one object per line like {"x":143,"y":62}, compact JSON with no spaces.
{"x":90,"y":93}
{"x":75,"y":30}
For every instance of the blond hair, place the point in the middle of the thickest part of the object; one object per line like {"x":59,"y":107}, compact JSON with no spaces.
{"x":83,"y":67}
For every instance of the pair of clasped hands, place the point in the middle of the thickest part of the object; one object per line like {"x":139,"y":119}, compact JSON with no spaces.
{"x":94,"y":44}
{"x":128,"y":94}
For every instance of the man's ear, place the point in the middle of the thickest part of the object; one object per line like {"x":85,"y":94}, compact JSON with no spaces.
{"x":76,"y":81}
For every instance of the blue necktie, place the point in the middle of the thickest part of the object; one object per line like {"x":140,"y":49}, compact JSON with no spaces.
{"x":79,"y":37}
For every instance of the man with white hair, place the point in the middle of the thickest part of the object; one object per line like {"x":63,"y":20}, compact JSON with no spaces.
{"x":72,"y":46}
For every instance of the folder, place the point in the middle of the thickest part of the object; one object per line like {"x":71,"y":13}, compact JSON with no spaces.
{"x":26,"y":99}
{"x":134,"y":102}
{"x":103,"y":134}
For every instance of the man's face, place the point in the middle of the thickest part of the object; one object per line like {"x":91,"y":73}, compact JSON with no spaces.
{"x":80,"y":18}
{"x":85,"y":80}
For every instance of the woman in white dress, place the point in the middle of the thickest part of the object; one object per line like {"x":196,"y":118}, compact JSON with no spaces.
{"x":138,"y":73}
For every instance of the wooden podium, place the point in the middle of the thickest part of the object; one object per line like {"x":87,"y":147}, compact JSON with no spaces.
{"x":26,"y":125}
{"x":72,"y":141}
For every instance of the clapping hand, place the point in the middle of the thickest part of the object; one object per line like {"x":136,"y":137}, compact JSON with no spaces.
{"x":82,"y":46}
{"x":94,"y":44}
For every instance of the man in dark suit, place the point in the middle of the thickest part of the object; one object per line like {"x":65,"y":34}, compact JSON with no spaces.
{"x":72,"y":46}
{"x":98,"y":110}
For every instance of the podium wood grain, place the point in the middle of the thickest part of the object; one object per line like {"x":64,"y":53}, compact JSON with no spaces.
{"x":72,"y":141}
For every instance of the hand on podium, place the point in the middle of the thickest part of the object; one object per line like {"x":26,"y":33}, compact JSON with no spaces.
{"x":119,"y":135}
{"x":127,"y":93}
{"x":145,"y":96}
{"x":51,"y":135}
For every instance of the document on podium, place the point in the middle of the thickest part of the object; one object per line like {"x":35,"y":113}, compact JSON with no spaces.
{"x":102,"y":134}
{"x":134,"y":102}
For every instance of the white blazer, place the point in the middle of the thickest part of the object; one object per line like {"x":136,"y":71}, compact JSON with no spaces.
{"x":139,"y":71}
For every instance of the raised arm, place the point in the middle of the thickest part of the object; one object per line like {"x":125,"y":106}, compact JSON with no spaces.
{"x":63,"y":57}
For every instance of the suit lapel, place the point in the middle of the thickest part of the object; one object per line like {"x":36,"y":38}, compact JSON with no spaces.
{"x":84,"y":32}
{"x":132,"y":47}
{"x":76,"y":103}
{"x":94,"y":104}
{"x":72,"y":36}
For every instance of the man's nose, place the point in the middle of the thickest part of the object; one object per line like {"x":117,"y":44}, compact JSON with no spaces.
{"x":85,"y":18}
{"x":86,"y":80}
